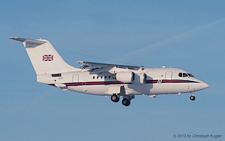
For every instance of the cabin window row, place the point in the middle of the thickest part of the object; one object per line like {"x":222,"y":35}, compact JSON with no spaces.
{"x":101,"y":77}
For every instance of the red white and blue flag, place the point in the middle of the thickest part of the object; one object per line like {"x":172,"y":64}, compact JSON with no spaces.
{"x":47,"y":57}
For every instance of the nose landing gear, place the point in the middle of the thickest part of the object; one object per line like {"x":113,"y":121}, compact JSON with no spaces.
{"x":192,"y":97}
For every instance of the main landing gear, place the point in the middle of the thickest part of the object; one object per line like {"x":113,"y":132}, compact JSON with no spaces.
{"x":192,"y":97}
{"x":115,"y":98}
{"x":126,"y":99}
{"x":126,"y":102}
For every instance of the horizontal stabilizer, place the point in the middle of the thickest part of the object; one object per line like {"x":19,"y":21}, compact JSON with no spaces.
{"x":28,"y":42}
{"x":18,"y":39}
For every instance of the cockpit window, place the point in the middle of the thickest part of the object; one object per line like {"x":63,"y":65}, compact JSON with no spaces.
{"x":185,"y":75}
{"x":180,"y":74}
{"x":190,"y":75}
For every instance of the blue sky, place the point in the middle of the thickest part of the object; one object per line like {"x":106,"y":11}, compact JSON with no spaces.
{"x":185,"y":34}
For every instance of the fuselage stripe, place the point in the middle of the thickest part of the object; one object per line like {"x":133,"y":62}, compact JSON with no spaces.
{"x":118,"y":82}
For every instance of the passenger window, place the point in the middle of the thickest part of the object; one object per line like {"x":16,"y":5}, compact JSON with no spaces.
{"x":185,"y":75}
{"x":97,"y":77}
{"x":93,"y":77}
{"x":109,"y":76}
{"x":180,"y":75}
{"x":105,"y":77}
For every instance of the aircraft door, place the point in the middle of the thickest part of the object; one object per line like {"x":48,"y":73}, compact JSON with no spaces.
{"x":168,"y":75}
{"x":75,"y":78}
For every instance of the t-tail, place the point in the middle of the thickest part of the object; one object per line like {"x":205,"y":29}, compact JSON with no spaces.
{"x":44,"y":58}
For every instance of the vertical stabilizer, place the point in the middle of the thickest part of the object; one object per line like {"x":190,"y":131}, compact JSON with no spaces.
{"x":44,"y":58}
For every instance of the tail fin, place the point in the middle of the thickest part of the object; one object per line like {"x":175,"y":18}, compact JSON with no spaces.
{"x":44,"y":58}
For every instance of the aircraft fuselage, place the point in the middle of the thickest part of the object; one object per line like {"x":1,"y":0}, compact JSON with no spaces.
{"x":158,"y":81}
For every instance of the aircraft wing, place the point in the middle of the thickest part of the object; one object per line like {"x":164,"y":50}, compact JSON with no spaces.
{"x":85,"y":64}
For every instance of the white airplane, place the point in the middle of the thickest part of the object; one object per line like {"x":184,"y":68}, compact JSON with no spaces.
{"x":107,"y":79}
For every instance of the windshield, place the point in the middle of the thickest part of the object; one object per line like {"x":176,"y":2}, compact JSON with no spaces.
{"x":190,"y":75}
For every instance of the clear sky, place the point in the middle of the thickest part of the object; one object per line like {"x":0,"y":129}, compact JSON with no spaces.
{"x":187,"y":34}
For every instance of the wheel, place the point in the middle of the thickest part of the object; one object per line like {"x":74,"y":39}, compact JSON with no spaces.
{"x":126,"y":102}
{"x":192,"y":98}
{"x":115,"y":98}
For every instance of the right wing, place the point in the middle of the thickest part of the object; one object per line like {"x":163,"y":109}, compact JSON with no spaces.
{"x":85,"y":64}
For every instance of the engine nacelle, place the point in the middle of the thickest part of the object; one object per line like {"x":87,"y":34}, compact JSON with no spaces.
{"x":140,"y":78}
{"x":125,"y":76}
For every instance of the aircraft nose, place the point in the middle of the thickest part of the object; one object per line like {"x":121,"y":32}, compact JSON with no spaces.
{"x":204,"y":85}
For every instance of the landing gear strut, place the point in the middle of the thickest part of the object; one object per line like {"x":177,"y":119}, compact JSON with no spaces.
{"x":115,"y":98}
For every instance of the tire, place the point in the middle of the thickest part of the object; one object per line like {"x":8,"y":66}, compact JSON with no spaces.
{"x":126,"y":102}
{"x":115,"y":98}
{"x":192,"y":98}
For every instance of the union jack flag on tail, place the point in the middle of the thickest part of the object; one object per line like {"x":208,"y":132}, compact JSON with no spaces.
{"x":47,"y":57}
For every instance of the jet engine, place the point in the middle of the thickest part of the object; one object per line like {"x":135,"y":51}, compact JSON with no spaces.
{"x":126,"y":76}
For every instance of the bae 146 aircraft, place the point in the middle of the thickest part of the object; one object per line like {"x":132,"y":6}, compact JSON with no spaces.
{"x":102,"y":79}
